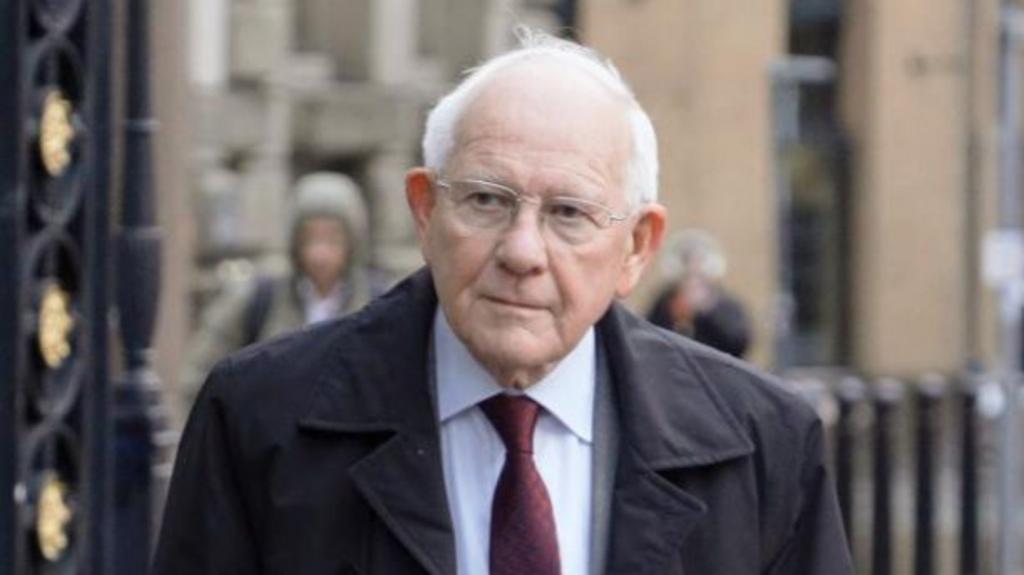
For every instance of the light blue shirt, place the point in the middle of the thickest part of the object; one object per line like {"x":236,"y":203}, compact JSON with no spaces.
{"x":473,"y":453}
{"x":319,"y":308}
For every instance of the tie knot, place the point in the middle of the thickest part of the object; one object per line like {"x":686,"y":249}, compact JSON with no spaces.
{"x":514,"y":417}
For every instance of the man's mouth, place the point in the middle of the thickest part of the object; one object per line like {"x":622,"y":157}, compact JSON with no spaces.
{"x":512,"y":303}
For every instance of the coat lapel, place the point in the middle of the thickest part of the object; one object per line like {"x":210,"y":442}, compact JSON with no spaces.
{"x":402,"y":479}
{"x":671,"y":423}
{"x":650,"y":518}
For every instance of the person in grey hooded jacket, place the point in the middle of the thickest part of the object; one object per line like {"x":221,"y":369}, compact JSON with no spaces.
{"x":328,"y":241}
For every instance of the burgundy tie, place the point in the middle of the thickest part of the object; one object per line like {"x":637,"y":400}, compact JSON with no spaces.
{"x":523,"y":537}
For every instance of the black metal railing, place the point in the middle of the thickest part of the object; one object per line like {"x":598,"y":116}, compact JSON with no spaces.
{"x":909,"y":459}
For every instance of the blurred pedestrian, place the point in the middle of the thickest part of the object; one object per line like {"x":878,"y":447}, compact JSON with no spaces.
{"x":328,"y":277}
{"x":694,"y":302}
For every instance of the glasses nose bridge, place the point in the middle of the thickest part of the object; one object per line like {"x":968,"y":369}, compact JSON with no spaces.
{"x":517,"y":208}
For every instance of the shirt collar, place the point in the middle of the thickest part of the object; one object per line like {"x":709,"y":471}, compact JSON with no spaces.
{"x":567,"y":393}
{"x":310,"y":295}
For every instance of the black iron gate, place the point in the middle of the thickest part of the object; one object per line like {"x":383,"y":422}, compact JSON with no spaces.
{"x":54,"y":182}
{"x":60,"y":221}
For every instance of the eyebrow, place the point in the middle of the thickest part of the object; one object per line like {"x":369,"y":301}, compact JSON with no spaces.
{"x":487,"y":176}
{"x":580,"y":193}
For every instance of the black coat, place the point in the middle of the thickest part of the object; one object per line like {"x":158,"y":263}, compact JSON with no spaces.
{"x":320,"y":453}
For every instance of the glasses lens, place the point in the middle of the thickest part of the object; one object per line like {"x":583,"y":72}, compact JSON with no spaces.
{"x":481,"y":204}
{"x":575,"y":221}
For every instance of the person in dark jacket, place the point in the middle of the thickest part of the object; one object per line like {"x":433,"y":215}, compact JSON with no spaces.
{"x":498,"y":412}
{"x":694,"y":302}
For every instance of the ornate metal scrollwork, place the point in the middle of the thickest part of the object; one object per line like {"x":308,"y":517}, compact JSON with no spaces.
{"x":56,"y":132}
{"x":57,"y":454}
{"x":55,"y":326}
{"x":57,"y":15}
{"x":53,"y":515}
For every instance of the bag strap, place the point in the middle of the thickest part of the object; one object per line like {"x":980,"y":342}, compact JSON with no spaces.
{"x":258,"y":309}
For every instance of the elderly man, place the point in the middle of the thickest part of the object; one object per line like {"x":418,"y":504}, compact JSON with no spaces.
{"x":498,"y":412}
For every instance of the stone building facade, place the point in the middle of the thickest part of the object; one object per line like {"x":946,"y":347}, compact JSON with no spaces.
{"x":285,"y":87}
{"x":255,"y":93}
{"x":844,"y":153}
{"x":852,"y":205}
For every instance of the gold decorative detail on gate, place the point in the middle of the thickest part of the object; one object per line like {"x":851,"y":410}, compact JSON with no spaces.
{"x":56,"y":132}
{"x":52,"y":517}
{"x":55,"y":325}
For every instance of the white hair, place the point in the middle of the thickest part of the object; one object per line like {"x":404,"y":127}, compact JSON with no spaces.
{"x":443,"y":120}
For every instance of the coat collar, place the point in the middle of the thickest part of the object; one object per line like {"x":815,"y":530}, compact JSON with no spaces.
{"x":377,"y":385}
{"x":668,"y":408}
{"x":670,"y":419}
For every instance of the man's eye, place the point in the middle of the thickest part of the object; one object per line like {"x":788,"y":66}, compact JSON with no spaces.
{"x":487,"y":200}
{"x":568,"y":213}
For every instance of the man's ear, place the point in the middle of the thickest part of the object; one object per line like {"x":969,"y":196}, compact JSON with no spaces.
{"x":645,"y":241}
{"x":419,"y":193}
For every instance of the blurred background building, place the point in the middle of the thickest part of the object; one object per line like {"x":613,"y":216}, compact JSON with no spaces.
{"x":279,"y":88}
{"x":844,"y":153}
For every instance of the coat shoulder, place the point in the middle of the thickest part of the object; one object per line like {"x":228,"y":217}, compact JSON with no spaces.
{"x":266,"y":386}
{"x":277,"y":382}
{"x":741,"y":387}
{"x":274,"y":381}
{"x":748,"y":388}
{"x":788,"y":454}
{"x":769,"y":410}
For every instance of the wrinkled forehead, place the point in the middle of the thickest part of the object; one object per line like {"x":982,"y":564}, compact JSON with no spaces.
{"x":549,"y":106}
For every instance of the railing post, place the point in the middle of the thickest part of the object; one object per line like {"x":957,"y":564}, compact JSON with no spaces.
{"x":929,"y":391}
{"x":888,"y":395}
{"x":850,"y":393}
{"x":967,"y":399}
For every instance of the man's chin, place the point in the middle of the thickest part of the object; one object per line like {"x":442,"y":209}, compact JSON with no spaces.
{"x":515,"y":356}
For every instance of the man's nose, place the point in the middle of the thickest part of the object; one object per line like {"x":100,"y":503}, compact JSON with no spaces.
{"x":522,"y":249}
